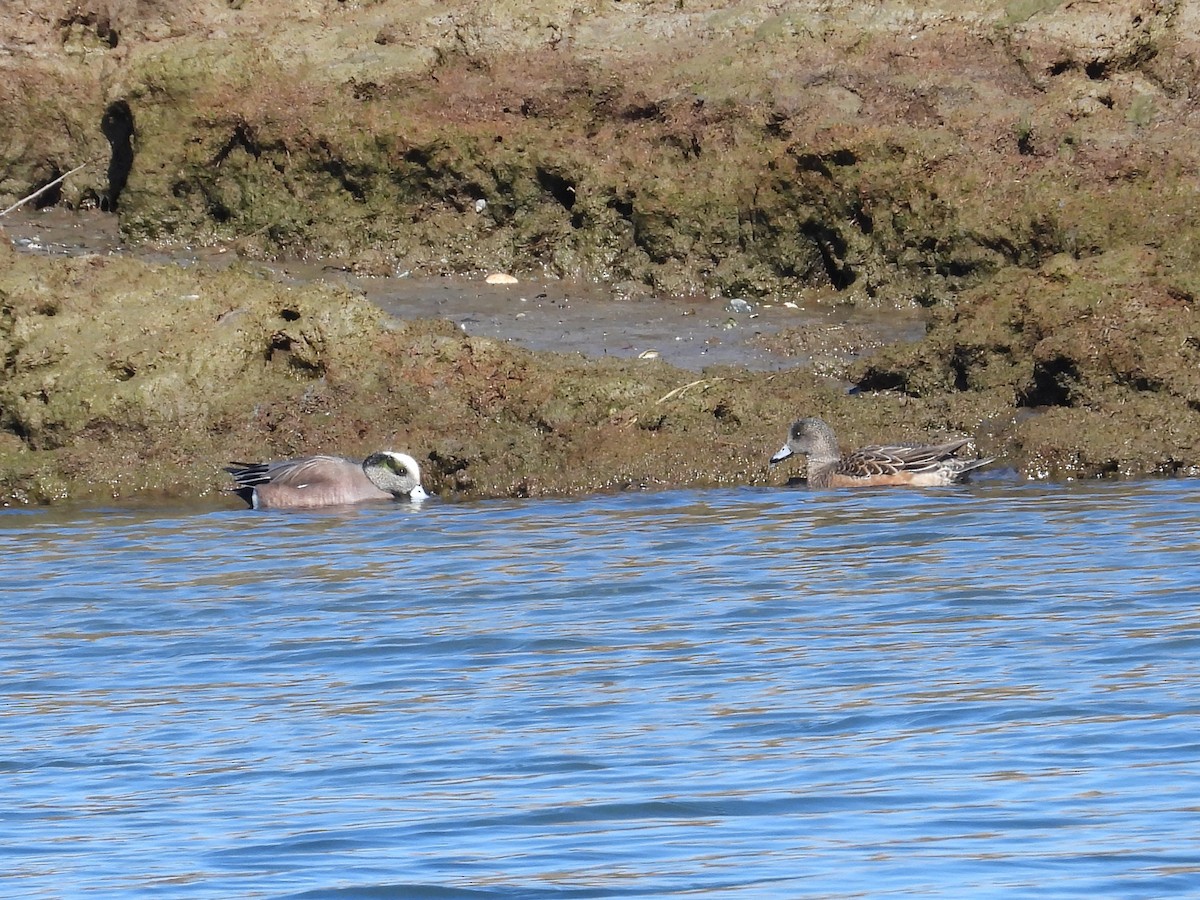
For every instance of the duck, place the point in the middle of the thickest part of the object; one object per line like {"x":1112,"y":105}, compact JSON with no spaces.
{"x":924,"y":465}
{"x":311,"y":482}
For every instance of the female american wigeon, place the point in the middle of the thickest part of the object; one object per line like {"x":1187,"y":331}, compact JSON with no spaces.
{"x":923,"y":466}
{"x":313,"y":481}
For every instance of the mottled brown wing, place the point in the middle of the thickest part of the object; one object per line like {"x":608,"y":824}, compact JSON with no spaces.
{"x":889,"y":460}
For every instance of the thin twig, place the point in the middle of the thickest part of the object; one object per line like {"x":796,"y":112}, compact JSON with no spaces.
{"x":44,"y":188}
{"x":680,"y":391}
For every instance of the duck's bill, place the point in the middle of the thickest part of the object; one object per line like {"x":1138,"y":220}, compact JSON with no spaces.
{"x":781,"y":454}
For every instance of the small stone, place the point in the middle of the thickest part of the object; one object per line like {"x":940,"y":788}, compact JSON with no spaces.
{"x":480,"y":205}
{"x":738,"y":305}
{"x":500,"y":278}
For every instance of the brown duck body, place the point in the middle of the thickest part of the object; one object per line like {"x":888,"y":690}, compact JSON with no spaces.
{"x":925,"y":465}
{"x":311,"y":482}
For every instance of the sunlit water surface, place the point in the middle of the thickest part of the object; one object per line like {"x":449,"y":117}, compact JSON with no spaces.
{"x":992,"y":691}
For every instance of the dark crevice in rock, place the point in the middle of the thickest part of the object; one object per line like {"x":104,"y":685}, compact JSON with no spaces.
{"x":1051,"y":384}
{"x":339,"y":171}
{"x":880,"y":380}
{"x":118,"y":129}
{"x":243,"y":138}
{"x":93,"y":23}
{"x":832,"y":248}
{"x":558,"y":187}
{"x":49,"y":196}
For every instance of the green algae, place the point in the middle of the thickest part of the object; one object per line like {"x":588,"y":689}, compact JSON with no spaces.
{"x":1098,"y":359}
{"x":1031,"y":186}
{"x":122,"y":377}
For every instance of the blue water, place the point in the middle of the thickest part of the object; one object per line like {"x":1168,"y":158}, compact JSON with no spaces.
{"x":986,"y":691}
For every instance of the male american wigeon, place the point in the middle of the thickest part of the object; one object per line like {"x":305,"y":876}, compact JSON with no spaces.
{"x":314,"y":481}
{"x":924,"y":466}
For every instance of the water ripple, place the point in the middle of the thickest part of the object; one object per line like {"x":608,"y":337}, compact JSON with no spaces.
{"x":743,"y":693}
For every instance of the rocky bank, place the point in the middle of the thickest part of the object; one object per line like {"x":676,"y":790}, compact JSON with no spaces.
{"x":1028,"y":171}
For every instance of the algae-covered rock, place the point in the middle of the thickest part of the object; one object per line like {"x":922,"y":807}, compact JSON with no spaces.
{"x":121,"y":377}
{"x":896,"y":153}
{"x":1100,"y":358}
{"x":1026,"y":170}
{"x":114,"y":367}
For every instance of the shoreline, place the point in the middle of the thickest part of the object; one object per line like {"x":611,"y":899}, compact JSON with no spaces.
{"x":546,"y":314}
{"x":986,"y":221}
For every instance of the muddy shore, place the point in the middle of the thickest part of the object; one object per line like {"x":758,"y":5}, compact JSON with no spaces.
{"x":129,"y":376}
{"x":1023,"y":177}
